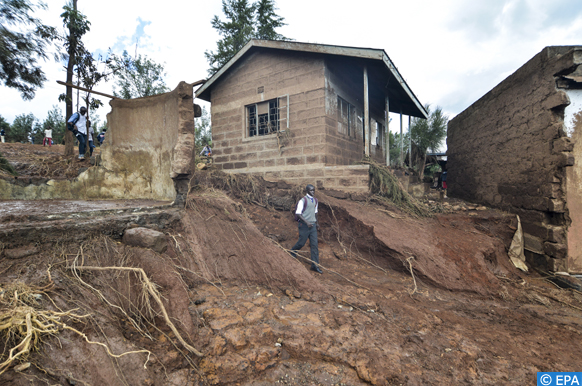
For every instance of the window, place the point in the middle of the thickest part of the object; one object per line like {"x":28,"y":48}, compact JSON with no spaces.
{"x":346,"y":114}
{"x":263,"y":118}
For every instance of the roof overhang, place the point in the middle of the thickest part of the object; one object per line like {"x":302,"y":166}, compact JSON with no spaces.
{"x":408,"y":103}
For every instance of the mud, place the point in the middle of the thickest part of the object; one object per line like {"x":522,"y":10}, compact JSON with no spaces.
{"x":402,"y":300}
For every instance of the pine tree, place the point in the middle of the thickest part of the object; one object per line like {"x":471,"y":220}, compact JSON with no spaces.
{"x":267,"y":21}
{"x":244,"y":22}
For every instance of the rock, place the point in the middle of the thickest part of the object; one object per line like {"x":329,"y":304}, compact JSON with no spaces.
{"x":236,"y":337}
{"x":145,"y":238}
{"x":481,"y":208}
{"x":19,"y":253}
{"x":255,"y":314}
{"x":179,"y":378}
{"x":22,"y":366}
{"x":359,"y":196}
{"x":337,"y":194}
{"x":218,"y":346}
{"x":220,"y":318}
{"x":293,"y":293}
{"x":282,"y":203}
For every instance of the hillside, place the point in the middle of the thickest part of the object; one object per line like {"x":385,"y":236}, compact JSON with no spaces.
{"x":403,"y":300}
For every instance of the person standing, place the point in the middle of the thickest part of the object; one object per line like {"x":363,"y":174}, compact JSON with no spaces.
{"x":444,"y":182}
{"x":101,"y":137}
{"x":90,"y":135}
{"x":306,"y":216}
{"x":3,"y":135}
{"x":48,"y":137}
{"x":206,"y":151}
{"x":80,"y":130}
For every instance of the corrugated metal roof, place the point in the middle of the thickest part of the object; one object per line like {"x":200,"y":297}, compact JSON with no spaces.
{"x":410,"y":103}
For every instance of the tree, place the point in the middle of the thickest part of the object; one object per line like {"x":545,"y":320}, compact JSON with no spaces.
{"x":428,"y":134}
{"x":203,"y":130}
{"x":268,"y":21}
{"x":244,"y":22}
{"x":56,"y":122}
{"x":77,"y":25}
{"x":22,"y":125}
{"x":394,"y":139}
{"x":23,"y":41}
{"x":137,"y":77}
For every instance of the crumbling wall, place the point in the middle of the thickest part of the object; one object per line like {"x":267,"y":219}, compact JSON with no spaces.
{"x":149,"y":145}
{"x":509,"y":150}
{"x":573,"y":122}
{"x":147,"y":153}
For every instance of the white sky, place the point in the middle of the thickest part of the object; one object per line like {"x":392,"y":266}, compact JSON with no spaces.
{"x":450,"y":52}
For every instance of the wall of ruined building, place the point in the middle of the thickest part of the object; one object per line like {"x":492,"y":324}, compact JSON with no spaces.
{"x":509,"y":150}
{"x":147,"y":153}
{"x":573,"y":123}
{"x":279,"y":74}
{"x":343,"y":149}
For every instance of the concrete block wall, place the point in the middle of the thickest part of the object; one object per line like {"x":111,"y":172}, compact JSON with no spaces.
{"x":509,"y":150}
{"x":352,"y":178}
{"x":264,"y":76}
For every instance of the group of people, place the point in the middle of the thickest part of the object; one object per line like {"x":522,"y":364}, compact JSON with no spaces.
{"x":305,"y":210}
{"x":81,"y":128}
{"x":83,"y":131}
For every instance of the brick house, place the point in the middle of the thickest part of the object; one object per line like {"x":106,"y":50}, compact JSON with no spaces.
{"x":519,"y":148}
{"x":305,"y":112}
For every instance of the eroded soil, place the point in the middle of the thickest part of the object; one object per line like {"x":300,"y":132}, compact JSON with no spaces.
{"x":402,"y":301}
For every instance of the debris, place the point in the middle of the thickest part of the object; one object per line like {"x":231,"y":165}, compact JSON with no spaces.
{"x":22,"y":366}
{"x":516,"y":254}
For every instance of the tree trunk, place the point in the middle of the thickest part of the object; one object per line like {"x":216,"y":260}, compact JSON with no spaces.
{"x":69,"y":138}
{"x":423,"y":166}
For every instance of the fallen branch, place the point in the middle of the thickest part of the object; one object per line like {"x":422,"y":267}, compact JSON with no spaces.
{"x":556,"y":299}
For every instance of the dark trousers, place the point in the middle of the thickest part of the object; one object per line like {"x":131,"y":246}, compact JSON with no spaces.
{"x":82,"y":141}
{"x":307,"y":233}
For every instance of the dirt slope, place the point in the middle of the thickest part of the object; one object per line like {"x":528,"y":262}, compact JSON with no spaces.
{"x":260,"y":317}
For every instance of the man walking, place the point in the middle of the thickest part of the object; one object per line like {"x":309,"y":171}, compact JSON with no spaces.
{"x":306,"y":216}
{"x":80,"y":130}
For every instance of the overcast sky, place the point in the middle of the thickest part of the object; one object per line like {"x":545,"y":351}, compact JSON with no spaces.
{"x":450,"y":52}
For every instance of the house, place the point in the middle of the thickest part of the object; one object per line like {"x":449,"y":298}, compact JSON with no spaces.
{"x":305,"y":112}
{"x":519,"y":148}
